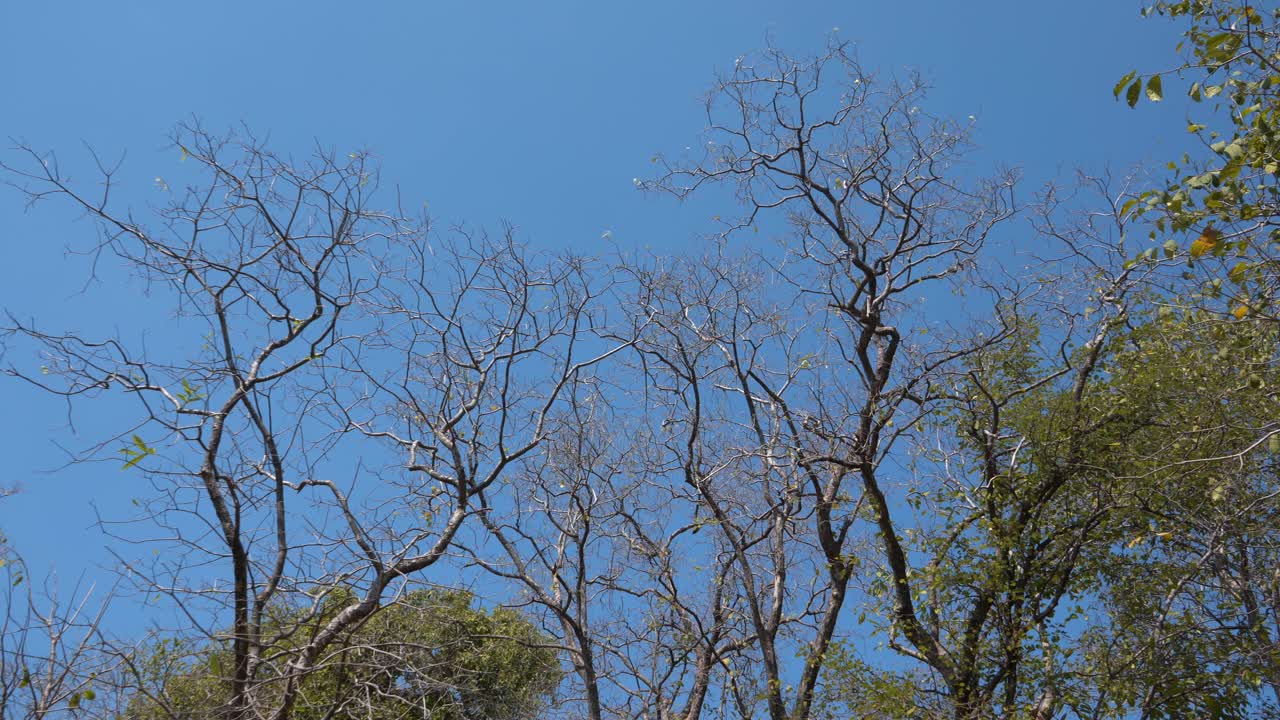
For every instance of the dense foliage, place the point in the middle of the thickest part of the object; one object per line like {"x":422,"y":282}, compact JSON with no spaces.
{"x":429,"y":656}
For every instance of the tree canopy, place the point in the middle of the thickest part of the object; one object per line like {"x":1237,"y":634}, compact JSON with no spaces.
{"x":1218,"y":210}
{"x":428,"y":655}
{"x":894,"y":441}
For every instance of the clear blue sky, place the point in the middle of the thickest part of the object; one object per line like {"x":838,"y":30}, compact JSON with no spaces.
{"x":536,"y":113}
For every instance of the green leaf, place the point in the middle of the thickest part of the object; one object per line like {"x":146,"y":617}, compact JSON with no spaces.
{"x":1124,"y":81}
{"x":1219,"y":493}
{"x":190,"y":393}
{"x":1220,"y":46}
{"x":1238,"y":273}
{"x":1154,"y":91}
{"x":135,"y":454}
{"x":1125,"y":208}
{"x":1135,"y":90}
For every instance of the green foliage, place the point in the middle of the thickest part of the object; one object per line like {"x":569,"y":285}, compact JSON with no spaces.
{"x":851,"y":688}
{"x":1196,"y":521}
{"x":430,"y":656}
{"x":189,"y":393}
{"x":1192,"y":624}
{"x":1224,"y":203}
{"x":136,"y":453}
{"x":1099,"y":537}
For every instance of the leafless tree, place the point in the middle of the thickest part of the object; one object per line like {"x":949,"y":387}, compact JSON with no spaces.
{"x":327,"y":326}
{"x":975,"y":551}
{"x":53,"y":654}
{"x":694,"y":471}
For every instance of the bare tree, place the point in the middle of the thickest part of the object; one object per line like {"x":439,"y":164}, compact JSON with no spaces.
{"x":979,"y":541}
{"x":53,"y":656}
{"x":330,"y":329}
{"x":719,"y":480}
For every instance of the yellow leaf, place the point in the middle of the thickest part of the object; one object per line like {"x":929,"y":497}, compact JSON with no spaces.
{"x":1207,"y":241}
{"x":1240,"y":312}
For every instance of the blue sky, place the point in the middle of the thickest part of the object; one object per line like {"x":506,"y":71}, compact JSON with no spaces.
{"x":540,"y":114}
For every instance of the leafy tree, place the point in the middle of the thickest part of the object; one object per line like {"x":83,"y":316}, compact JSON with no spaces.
{"x":430,"y":655}
{"x":1191,"y":594}
{"x":1221,"y":207}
